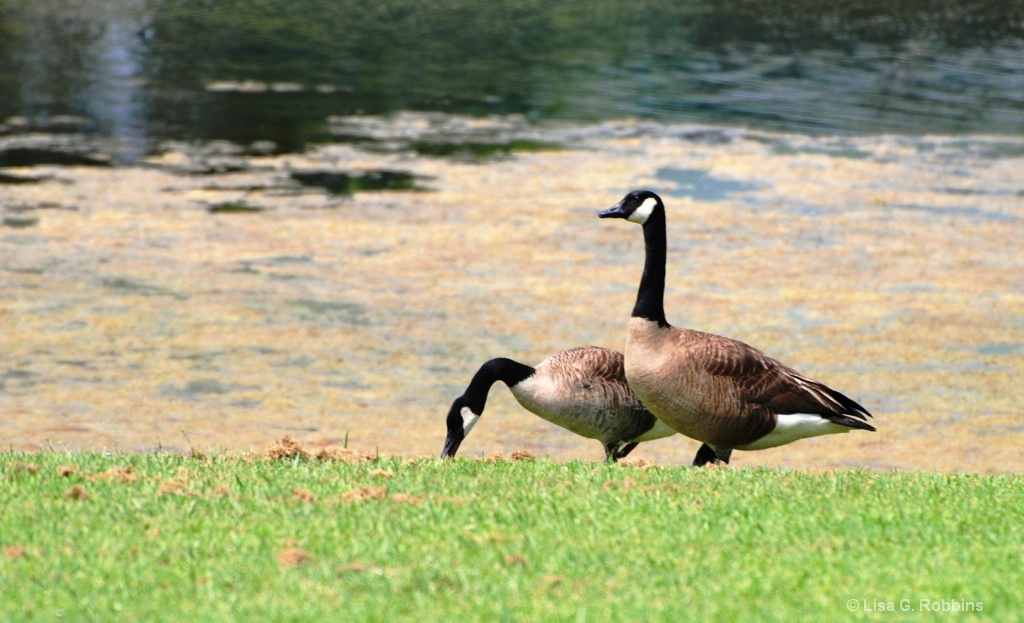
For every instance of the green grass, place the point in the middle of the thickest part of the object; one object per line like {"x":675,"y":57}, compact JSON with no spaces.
{"x":222,"y":538}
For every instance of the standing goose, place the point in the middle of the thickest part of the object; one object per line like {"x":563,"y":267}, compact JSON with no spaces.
{"x":714,"y":389}
{"x":581,"y":389}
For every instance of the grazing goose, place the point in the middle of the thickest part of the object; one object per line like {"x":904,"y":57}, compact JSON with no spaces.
{"x":581,"y":389}
{"x":714,"y":389}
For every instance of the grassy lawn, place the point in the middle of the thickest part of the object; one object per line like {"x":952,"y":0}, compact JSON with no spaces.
{"x":167,"y":537}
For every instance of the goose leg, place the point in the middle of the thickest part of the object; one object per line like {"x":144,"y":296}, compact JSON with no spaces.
{"x":624,"y":450}
{"x":611,"y":452}
{"x":704,"y":456}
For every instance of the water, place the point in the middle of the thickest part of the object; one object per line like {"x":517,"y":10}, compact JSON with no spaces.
{"x":700,"y":185}
{"x":144,"y":71}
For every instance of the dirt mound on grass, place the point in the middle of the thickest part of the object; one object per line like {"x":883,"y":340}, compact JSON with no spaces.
{"x":124,"y":474}
{"x":343,"y":455}
{"x":285,"y":448}
{"x":362,"y":494}
{"x":28,"y":468}
{"x":289,"y":448}
{"x":293,"y":556}
{"x":15,"y":552}
{"x":303,"y":495}
{"x":77,"y":492}
{"x":637,"y":462}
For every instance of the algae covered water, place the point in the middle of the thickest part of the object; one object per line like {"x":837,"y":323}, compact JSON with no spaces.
{"x":221,"y":224}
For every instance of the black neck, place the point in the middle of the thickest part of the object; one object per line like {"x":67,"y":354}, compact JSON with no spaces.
{"x":501,"y":369}
{"x":650,"y":298}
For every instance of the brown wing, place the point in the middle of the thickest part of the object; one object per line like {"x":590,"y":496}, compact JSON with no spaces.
{"x":599,"y":363}
{"x":764,"y":382}
{"x":602,"y":370}
{"x":600,"y":376}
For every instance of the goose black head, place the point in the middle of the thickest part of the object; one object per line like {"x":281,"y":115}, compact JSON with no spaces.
{"x":637,"y":206}
{"x":461,"y":420}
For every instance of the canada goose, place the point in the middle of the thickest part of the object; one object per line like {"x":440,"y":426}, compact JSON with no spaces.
{"x":581,"y":389}
{"x":714,"y":389}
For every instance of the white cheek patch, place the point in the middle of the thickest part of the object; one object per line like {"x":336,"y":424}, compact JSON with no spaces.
{"x":641,"y":214}
{"x":468,"y":420}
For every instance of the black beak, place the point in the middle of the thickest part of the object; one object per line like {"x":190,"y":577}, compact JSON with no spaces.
{"x":615,"y":211}
{"x":451,"y":446}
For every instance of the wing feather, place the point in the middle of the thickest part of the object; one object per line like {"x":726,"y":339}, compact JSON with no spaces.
{"x":761,"y":381}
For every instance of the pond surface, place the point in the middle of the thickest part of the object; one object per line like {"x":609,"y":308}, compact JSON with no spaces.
{"x":223,"y":222}
{"x":221,"y":301}
{"x":148,"y":70}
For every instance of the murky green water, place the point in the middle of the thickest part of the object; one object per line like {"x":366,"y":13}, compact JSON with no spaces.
{"x":146,"y":70}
